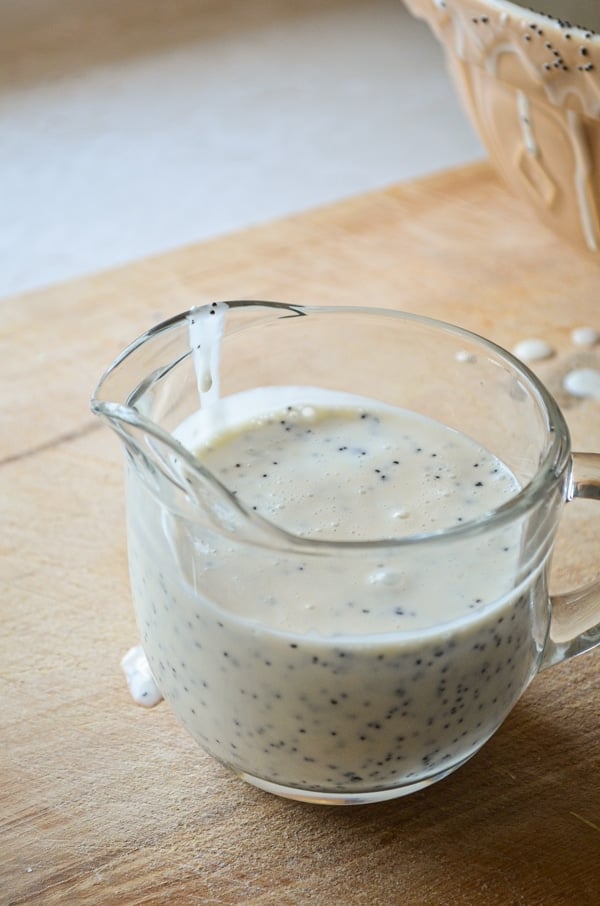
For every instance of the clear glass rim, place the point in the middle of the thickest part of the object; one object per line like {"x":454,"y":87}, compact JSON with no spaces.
{"x":548,"y":472}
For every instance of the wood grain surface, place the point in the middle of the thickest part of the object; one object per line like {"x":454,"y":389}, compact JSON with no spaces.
{"x":105,"y":803}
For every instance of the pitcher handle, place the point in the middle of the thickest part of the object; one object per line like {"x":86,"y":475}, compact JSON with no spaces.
{"x":575,"y":622}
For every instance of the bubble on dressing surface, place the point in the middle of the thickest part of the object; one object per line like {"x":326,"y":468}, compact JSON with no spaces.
{"x":390,"y":578}
{"x":533,"y":350}
{"x":140,"y":679}
{"x":583,"y":382}
{"x":585,"y":336}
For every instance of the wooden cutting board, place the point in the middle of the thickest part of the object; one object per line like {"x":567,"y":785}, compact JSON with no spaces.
{"x":105,"y":803}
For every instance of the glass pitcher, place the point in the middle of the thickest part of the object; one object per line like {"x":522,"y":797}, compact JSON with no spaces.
{"x":364,"y":709}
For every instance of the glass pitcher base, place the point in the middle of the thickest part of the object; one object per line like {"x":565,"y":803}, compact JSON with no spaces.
{"x":363,"y":797}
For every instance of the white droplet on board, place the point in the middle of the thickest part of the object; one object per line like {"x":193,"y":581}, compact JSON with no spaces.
{"x":533,"y":350}
{"x":583,"y":382}
{"x":585,"y":336}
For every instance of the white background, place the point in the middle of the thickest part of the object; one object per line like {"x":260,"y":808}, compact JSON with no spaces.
{"x":129,"y":127}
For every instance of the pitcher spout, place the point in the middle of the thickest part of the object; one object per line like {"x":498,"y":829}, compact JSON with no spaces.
{"x":145,"y":442}
{"x":155,"y":387}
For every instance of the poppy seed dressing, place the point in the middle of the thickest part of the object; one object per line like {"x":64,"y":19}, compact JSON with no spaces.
{"x":349,"y":669}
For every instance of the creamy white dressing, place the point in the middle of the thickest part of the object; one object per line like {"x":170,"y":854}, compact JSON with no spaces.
{"x":321,"y":672}
{"x":205,"y":325}
{"x":325,"y":467}
{"x":140,"y":679}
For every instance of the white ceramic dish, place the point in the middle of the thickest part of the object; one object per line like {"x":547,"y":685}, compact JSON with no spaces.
{"x":531,"y":82}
